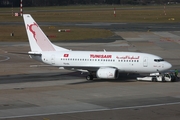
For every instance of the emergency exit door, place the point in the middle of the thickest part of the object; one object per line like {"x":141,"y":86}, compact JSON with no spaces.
{"x":53,"y":59}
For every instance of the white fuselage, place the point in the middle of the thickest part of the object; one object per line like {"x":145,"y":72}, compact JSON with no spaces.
{"x":123,"y":61}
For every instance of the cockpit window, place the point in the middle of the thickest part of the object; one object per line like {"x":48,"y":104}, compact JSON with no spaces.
{"x":158,"y":60}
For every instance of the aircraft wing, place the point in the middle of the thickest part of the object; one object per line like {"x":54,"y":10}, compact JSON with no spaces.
{"x":84,"y":69}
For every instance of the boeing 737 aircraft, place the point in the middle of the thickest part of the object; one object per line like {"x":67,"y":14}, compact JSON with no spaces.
{"x":102,"y":64}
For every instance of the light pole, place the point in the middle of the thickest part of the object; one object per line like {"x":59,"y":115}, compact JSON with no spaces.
{"x":21,"y":8}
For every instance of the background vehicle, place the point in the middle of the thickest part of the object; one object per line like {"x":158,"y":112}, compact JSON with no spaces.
{"x":157,"y":77}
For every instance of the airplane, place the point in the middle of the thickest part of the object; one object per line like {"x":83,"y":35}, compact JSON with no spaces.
{"x":98,"y":64}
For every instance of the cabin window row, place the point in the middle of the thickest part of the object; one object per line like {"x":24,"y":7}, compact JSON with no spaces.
{"x":107,"y":60}
{"x":128,"y":60}
{"x":76,"y":59}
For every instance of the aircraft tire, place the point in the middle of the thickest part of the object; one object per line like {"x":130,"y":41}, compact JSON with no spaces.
{"x":89,"y":77}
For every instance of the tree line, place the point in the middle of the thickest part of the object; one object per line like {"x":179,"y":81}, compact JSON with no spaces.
{"x":30,"y":3}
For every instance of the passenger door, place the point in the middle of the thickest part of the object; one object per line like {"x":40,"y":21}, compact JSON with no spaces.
{"x":145,"y":62}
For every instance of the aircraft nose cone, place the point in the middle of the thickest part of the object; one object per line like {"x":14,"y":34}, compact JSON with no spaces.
{"x":168,"y":65}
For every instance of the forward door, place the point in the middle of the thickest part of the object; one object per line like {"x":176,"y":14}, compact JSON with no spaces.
{"x":145,"y":62}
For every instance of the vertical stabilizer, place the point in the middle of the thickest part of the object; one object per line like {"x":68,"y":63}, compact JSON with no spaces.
{"x":37,"y":39}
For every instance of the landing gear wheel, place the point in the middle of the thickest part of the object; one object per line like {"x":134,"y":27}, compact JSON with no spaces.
{"x":89,"y":77}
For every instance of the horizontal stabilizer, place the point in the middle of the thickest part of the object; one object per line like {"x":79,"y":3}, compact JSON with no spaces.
{"x":34,"y":53}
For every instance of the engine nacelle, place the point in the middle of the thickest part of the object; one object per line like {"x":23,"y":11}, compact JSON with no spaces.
{"x":107,"y":73}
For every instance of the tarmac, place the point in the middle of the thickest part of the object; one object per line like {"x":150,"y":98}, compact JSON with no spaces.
{"x":31,"y":91}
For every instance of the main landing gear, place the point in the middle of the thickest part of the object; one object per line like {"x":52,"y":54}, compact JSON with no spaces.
{"x":89,"y":77}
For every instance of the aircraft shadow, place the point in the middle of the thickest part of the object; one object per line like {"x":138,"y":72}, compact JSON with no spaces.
{"x":38,"y":77}
{"x":57,"y":76}
{"x":123,"y":78}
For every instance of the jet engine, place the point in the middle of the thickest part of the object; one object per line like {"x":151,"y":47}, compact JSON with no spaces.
{"x":107,"y":73}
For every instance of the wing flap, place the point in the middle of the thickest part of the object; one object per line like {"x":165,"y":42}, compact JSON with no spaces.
{"x":82,"y":69}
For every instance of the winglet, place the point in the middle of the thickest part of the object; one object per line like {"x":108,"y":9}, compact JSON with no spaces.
{"x":37,"y":39}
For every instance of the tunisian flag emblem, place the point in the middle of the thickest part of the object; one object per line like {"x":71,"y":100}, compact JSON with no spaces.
{"x":66,"y":55}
